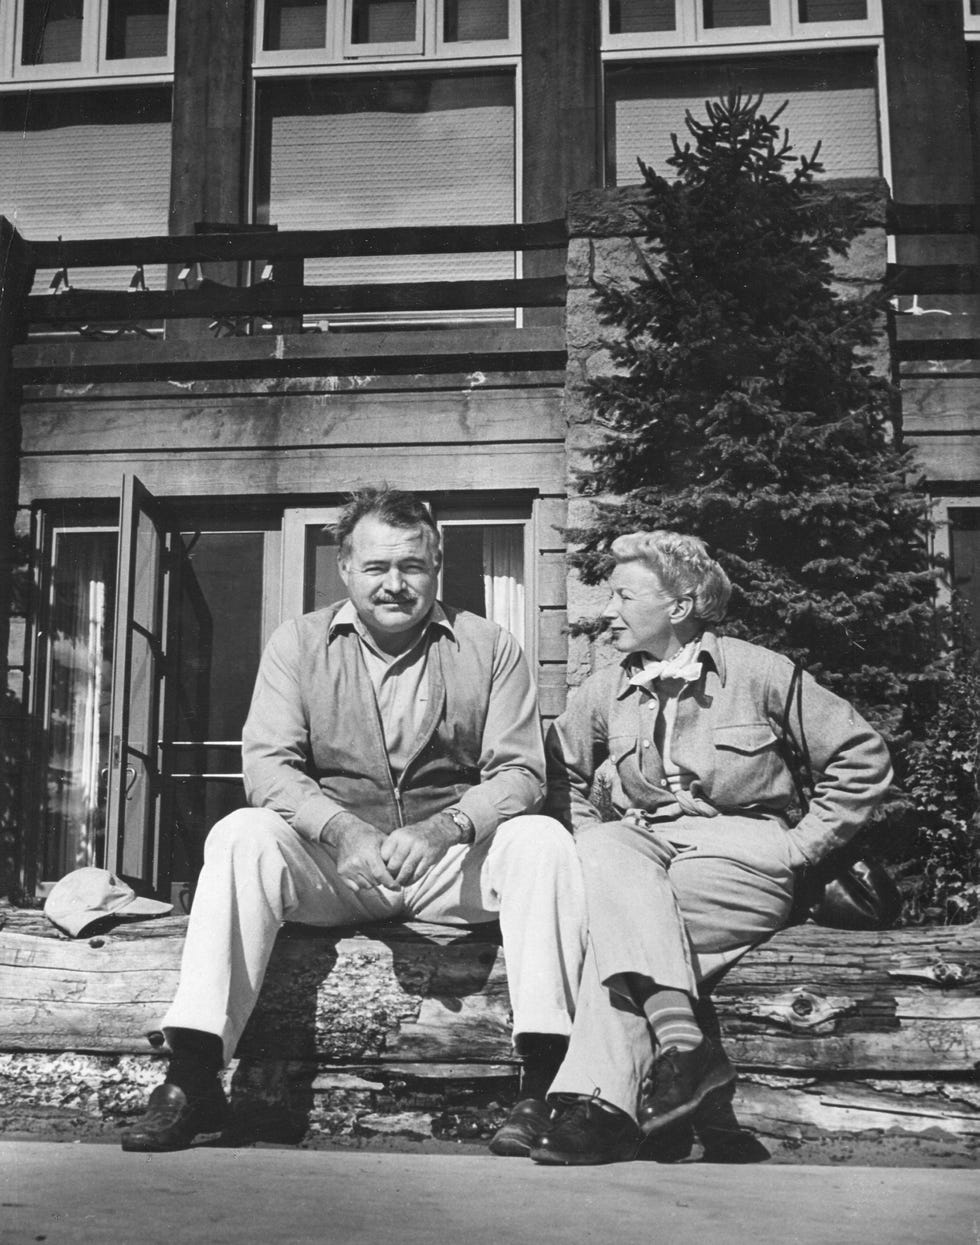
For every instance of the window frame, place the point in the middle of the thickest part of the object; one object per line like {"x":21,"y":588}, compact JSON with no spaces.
{"x":340,"y":55}
{"x":297,"y":519}
{"x":785,"y":32}
{"x":93,"y":64}
{"x":971,"y":23}
{"x":508,"y":516}
{"x":940,"y":537}
{"x":48,"y":522}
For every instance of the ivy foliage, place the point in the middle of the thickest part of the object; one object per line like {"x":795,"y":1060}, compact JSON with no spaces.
{"x":743,"y":407}
{"x":940,"y":875}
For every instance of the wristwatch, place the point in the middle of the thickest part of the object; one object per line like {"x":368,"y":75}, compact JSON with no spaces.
{"x":467,"y":831}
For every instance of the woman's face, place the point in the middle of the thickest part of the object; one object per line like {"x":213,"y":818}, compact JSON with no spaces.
{"x":641,"y":613}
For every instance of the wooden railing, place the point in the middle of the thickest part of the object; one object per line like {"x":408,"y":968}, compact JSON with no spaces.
{"x":284,"y":292}
{"x":246,"y":288}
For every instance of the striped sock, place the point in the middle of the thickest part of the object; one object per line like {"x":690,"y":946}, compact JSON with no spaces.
{"x":671,"y":1018}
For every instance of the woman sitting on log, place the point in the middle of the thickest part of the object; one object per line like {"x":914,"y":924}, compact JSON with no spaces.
{"x":690,"y":859}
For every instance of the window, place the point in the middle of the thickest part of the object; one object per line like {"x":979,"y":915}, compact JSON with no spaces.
{"x":483,"y":571}
{"x":971,"y":18}
{"x":385,"y":151}
{"x":662,"y":24}
{"x":964,"y":554}
{"x":331,"y":32}
{"x":383,"y":26}
{"x":78,"y":39}
{"x":833,"y":99}
{"x":87,"y":164}
{"x":77,"y":630}
{"x":224,"y":576}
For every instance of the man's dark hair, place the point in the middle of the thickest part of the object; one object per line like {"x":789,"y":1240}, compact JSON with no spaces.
{"x":388,"y":505}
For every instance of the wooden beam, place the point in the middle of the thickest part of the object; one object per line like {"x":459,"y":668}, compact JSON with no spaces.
{"x":465,"y":417}
{"x":933,"y":279}
{"x":226,"y":472}
{"x":931,"y":218}
{"x":561,"y":89}
{"x":36,"y":358}
{"x":270,"y":358}
{"x":209,"y":300}
{"x":302,"y":244}
{"x":906,"y":350}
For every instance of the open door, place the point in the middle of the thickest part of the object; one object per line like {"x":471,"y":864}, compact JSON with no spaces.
{"x":132,"y":818}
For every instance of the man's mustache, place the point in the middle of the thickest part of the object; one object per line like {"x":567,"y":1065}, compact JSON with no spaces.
{"x":394,"y":598}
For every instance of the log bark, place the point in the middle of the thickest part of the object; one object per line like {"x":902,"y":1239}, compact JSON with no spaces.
{"x":403,"y":1032}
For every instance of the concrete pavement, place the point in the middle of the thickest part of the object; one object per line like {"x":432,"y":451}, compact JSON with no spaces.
{"x":93,"y":1194}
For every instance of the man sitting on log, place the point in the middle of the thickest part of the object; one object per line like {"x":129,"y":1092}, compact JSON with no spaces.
{"x":393,"y":763}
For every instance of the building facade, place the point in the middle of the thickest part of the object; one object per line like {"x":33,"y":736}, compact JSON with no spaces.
{"x":194,"y":495}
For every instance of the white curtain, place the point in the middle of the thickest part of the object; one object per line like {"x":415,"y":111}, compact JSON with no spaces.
{"x":503,"y":577}
{"x":77,"y":702}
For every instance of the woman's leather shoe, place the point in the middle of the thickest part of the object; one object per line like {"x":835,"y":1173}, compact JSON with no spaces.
{"x":679,"y":1083}
{"x":173,"y":1119}
{"x":586,"y":1133}
{"x":529,"y":1119}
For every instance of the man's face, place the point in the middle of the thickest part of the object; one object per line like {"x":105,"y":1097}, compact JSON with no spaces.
{"x":391,"y":575}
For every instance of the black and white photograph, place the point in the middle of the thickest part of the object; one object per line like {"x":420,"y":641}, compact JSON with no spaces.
{"x":490,"y":610}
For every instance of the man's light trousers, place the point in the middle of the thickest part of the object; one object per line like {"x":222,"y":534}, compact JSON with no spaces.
{"x":258,"y":873}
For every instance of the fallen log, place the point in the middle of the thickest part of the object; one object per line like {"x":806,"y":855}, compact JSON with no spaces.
{"x":404,"y":1031}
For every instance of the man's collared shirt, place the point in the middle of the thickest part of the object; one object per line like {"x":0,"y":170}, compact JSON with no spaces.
{"x":401,"y":684}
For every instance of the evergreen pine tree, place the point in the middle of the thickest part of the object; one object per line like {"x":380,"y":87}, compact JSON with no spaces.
{"x":744,"y":410}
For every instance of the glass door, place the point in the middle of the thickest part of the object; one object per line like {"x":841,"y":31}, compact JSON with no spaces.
{"x":76,"y":638}
{"x":138,"y":666}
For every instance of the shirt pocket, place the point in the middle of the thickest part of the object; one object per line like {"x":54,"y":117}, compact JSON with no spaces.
{"x":620,"y":747}
{"x":745,"y":738}
{"x":748,"y":764}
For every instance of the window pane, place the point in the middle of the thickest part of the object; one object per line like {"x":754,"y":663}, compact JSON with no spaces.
{"x":832,"y":98}
{"x":833,"y":10}
{"x":220,"y":638}
{"x":389,"y":151}
{"x":52,"y":32}
{"x":721,"y":13}
{"x":322,"y":585}
{"x":137,"y":28}
{"x":964,"y":536}
{"x":88,"y":164}
{"x":483,"y":572}
{"x":475,"y":19}
{"x":295,"y":24}
{"x":383,"y":21}
{"x":76,"y":726}
{"x":630,"y":16}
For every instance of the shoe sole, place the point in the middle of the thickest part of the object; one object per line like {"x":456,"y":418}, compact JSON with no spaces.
{"x":555,"y":1158}
{"x":713,"y":1083}
{"x":135,"y":1146}
{"x":510,"y":1147}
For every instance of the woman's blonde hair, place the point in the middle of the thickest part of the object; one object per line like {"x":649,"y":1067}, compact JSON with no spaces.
{"x":684,"y":567}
